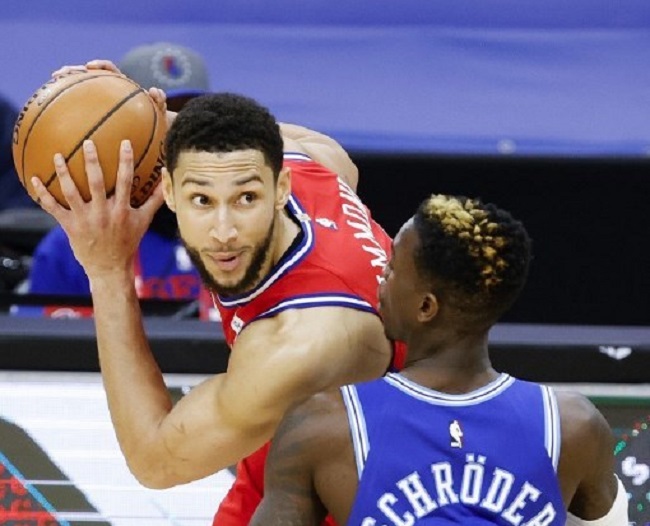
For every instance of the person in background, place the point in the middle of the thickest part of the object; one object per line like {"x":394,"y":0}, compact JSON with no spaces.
{"x":163,"y":269}
{"x":177,"y":70}
{"x":448,"y":440}
{"x":12,"y":193}
{"x":22,"y":222}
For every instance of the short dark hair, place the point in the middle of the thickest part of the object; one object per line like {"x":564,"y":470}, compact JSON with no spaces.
{"x":476,"y":254}
{"x":224,"y":122}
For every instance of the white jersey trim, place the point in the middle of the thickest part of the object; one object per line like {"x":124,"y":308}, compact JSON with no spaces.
{"x":296,"y":156}
{"x":358,"y":431}
{"x":483,"y":394}
{"x":552,"y":433}
{"x":304,"y":248}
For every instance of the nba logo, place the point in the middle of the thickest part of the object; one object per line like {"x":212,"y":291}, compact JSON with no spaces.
{"x":456,"y":434}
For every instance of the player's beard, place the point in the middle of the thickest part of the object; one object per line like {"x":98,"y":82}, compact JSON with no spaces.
{"x":251,"y":276}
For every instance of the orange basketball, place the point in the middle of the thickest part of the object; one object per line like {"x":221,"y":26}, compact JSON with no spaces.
{"x":99,"y":105}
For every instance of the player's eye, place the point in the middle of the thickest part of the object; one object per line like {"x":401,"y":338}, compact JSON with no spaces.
{"x":247,"y":198}
{"x":200,"y":200}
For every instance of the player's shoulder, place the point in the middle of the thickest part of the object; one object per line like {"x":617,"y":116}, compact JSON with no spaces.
{"x":315,"y":320}
{"x":310,"y":334}
{"x":578,"y":411}
{"x":585,"y":431}
{"x":320,"y":421}
{"x":319,"y":347}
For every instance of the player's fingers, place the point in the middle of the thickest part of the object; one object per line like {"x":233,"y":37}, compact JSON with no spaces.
{"x":67,"y":70}
{"x":124,"y":175}
{"x":68,"y":187}
{"x":94,"y":173}
{"x":103,"y":64}
{"x":159,"y":97}
{"x":46,"y":199}
{"x":154,"y":201}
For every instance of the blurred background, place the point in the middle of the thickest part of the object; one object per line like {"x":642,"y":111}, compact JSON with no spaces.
{"x":542,"y":108}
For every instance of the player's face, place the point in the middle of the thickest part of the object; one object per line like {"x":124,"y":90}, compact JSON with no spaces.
{"x":399,"y":293}
{"x":226,"y":208}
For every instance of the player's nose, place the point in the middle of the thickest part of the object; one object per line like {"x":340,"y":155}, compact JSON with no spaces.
{"x":223,"y":227}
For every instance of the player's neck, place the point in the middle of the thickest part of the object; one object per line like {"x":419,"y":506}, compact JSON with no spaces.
{"x":459,"y":365}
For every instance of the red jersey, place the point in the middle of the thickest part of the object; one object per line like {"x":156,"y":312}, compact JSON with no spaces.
{"x":337,"y":261}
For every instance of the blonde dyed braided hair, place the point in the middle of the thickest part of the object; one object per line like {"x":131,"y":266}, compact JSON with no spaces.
{"x":471,"y":223}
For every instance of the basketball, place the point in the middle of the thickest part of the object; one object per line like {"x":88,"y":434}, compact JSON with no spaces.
{"x":99,"y":105}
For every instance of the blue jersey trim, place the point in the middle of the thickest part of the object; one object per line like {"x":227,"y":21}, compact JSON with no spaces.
{"x":319,"y":300}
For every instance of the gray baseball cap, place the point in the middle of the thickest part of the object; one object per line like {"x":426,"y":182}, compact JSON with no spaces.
{"x":178,"y":70}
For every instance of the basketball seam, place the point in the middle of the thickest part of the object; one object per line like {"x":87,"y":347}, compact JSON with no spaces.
{"x":151,"y":137}
{"x":92,"y":130}
{"x":33,"y":123}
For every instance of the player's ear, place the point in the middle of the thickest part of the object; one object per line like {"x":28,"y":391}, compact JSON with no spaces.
{"x":168,"y":189}
{"x":283,"y":188}
{"x":428,"y":307}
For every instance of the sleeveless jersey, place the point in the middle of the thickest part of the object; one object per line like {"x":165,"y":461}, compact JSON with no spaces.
{"x":485,"y":457}
{"x":338,"y":262}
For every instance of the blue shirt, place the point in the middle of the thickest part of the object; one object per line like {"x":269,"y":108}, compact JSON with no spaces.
{"x":163,"y":271}
{"x":12,"y":192}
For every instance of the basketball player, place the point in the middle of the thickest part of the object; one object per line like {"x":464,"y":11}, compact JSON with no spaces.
{"x":475,"y":446}
{"x":292,"y":258}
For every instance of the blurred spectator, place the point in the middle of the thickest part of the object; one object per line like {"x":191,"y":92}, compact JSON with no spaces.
{"x":178,"y":70}
{"x":12,"y":192}
{"x":163,"y":268}
{"x":22,"y":222}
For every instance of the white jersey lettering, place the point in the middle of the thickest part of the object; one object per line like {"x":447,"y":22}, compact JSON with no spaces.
{"x":417,"y":496}
{"x":360,"y":222}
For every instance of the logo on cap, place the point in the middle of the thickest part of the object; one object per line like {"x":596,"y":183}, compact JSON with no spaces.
{"x":171,"y":67}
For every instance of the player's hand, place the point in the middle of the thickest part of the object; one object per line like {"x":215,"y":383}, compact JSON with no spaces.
{"x":160,"y":98}
{"x":103,"y":64}
{"x":105,"y":232}
{"x":92,"y":64}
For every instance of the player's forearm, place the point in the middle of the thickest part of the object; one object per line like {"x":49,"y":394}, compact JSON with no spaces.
{"x":284,"y":513}
{"x":137,"y":396}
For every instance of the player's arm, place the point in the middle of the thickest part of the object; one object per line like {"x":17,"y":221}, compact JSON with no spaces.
{"x":322,"y":149}
{"x":310,"y":470}
{"x":290,"y":497}
{"x":586,"y":467}
{"x":274,"y":363}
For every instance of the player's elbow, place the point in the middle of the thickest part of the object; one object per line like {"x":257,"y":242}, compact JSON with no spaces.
{"x":153,"y":466}
{"x":156,"y":482}
{"x":151,"y":475}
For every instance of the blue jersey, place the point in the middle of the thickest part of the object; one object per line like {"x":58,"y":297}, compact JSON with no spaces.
{"x":425,"y":457}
